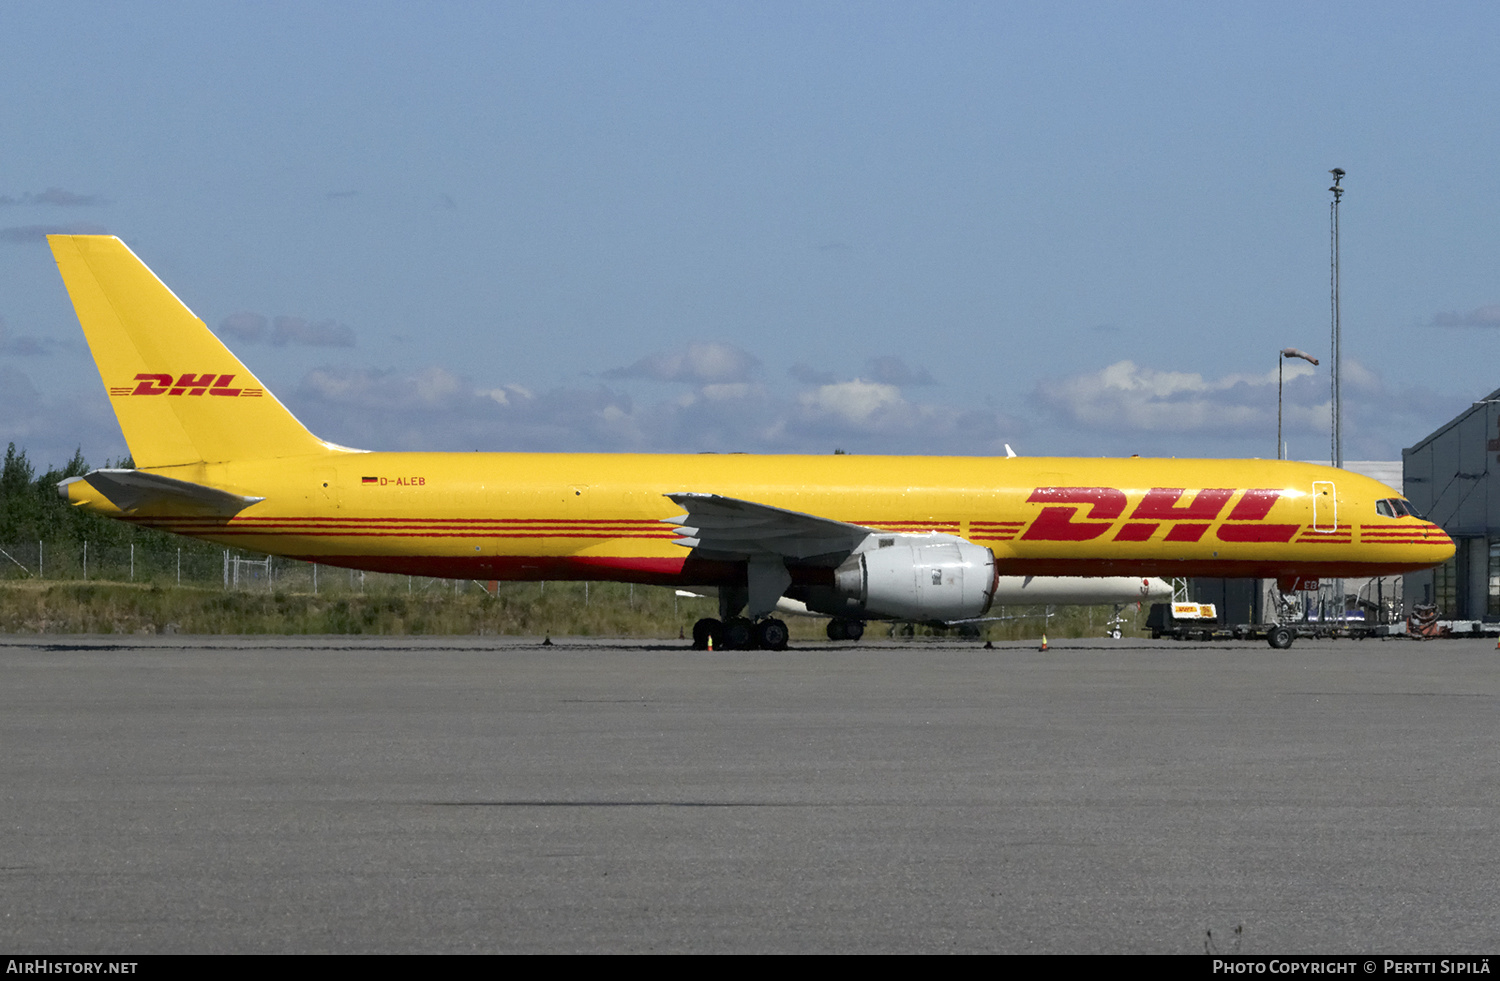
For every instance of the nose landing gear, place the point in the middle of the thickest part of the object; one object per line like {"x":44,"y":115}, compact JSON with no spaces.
{"x":1280,"y":637}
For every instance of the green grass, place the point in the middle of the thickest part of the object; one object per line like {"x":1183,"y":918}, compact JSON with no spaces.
{"x":517,"y":609}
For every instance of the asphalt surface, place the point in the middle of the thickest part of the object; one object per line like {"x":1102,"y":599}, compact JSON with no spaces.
{"x":171,"y":794}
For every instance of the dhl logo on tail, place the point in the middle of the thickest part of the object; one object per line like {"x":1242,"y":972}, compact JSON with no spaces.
{"x":185,"y":384}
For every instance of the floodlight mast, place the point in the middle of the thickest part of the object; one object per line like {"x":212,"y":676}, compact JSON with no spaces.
{"x":1338,"y":396}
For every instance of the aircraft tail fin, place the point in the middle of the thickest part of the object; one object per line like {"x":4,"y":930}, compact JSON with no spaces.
{"x":181,"y":397}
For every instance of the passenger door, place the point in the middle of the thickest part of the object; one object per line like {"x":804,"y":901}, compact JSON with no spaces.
{"x":1325,"y":506}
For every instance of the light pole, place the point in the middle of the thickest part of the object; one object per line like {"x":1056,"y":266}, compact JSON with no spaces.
{"x":1336,"y":369}
{"x":1286,"y":352}
{"x":1338,"y":360}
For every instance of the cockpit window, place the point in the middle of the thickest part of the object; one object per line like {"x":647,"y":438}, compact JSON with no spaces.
{"x":1395,"y":507}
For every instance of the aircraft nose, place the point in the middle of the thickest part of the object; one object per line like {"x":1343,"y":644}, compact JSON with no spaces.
{"x":1437,"y":541}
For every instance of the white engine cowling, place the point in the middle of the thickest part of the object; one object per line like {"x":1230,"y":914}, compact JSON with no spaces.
{"x":912,"y":577}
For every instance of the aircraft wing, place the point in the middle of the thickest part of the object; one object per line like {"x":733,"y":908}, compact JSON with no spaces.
{"x":135,"y":490}
{"x":731,"y":527}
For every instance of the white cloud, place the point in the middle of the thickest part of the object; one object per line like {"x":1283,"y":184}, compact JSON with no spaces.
{"x":251,"y":328}
{"x":1235,"y":415}
{"x":730,"y":392}
{"x":887,"y":369}
{"x":892,"y":370}
{"x":1486,"y":316}
{"x":54,"y":196}
{"x":433,"y":408}
{"x":504,"y":394}
{"x":1127,"y":397}
{"x":700,"y":363}
{"x":808,"y":375}
{"x":244,"y":326}
{"x":30,"y":234}
{"x":427,"y":389}
{"x":872,"y":417}
{"x":854,"y":401}
{"x":324,"y":333}
{"x":22,"y":345}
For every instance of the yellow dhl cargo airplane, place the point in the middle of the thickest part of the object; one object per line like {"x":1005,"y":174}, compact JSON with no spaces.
{"x":915,"y":538}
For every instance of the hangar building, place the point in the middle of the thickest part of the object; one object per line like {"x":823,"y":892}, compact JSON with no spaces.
{"x":1447,"y":478}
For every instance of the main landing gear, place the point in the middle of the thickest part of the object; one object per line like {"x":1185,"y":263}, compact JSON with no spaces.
{"x":744,"y":634}
{"x":740,"y":634}
{"x":840,"y":629}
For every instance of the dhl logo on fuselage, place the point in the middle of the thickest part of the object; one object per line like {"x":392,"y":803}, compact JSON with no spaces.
{"x":185,"y":384}
{"x":1188,"y":521}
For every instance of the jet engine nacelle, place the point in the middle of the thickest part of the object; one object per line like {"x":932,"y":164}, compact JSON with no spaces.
{"x":910,"y":577}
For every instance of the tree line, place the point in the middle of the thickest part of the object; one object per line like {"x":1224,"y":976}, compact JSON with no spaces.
{"x":31,"y":510}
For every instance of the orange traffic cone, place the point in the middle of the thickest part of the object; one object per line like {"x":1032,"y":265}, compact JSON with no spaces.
{"x":1044,"y":643}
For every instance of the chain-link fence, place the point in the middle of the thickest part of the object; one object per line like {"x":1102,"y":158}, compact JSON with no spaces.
{"x":280,"y":595}
{"x":202,"y":565}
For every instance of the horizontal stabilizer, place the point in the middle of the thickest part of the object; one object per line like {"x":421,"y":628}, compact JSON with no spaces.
{"x":135,"y":490}
{"x":732,"y":527}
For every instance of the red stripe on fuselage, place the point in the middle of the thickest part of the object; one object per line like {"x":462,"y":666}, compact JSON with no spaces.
{"x":1257,"y":533}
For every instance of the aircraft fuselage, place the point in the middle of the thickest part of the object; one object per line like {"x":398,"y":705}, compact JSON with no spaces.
{"x":538,"y":516}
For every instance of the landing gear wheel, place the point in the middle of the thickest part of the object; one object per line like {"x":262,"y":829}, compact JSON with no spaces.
{"x":705,"y":630}
{"x":1280,"y":637}
{"x":845,"y":629}
{"x":772,"y":635}
{"x":739,"y":634}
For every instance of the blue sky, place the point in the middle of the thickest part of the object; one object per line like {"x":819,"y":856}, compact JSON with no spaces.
{"x":906,"y":228}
